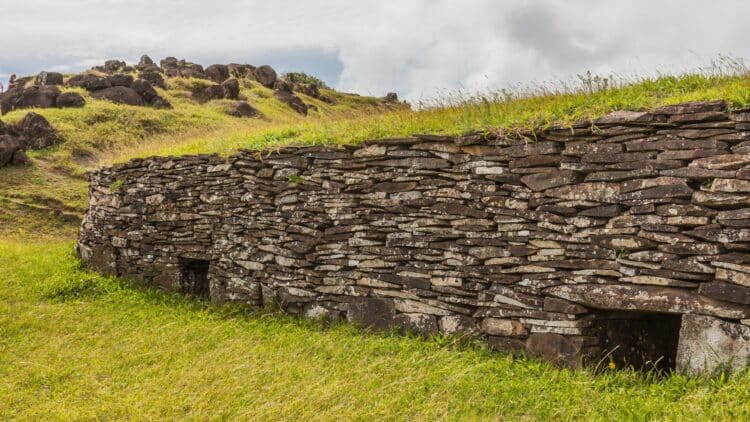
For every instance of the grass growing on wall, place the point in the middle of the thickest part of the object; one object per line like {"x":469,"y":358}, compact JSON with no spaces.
{"x":455,"y":114}
{"x":75,"y":345}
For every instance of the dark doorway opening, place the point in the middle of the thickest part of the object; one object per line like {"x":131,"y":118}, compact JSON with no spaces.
{"x":194,"y":277}
{"x":640,"y":340}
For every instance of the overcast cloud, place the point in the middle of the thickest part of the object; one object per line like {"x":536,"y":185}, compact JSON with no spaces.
{"x":417,"y":48}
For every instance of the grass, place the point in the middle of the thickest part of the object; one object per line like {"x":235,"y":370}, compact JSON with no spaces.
{"x":75,"y":345}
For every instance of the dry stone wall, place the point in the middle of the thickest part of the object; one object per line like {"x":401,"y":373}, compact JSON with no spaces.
{"x":621,"y":239}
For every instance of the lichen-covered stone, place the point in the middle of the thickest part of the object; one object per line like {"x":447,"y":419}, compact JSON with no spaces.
{"x":708,"y":344}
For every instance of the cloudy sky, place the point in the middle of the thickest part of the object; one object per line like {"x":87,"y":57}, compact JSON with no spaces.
{"x":418,"y":48}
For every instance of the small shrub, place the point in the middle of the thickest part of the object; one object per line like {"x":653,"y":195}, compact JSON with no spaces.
{"x":304,"y":78}
{"x":622,"y":253}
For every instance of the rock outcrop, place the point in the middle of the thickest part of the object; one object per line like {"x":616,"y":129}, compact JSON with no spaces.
{"x":623,"y":238}
{"x":37,"y":132}
{"x":266,"y":76}
{"x":283,"y":91}
{"x":243,"y":109}
{"x":33,"y":132}
{"x":70,"y":100}
{"x":119,"y":94}
{"x":34,"y":96}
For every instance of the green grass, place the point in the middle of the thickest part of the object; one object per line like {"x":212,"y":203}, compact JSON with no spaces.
{"x":458,"y":114}
{"x":75,"y":345}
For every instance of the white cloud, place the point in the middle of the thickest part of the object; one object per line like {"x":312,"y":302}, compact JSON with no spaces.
{"x":414,"y":47}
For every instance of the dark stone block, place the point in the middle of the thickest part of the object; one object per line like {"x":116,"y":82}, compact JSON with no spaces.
{"x":372,"y":313}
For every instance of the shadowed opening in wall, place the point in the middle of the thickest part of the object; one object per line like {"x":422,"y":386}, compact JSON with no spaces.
{"x":640,"y":340}
{"x":194,"y":277}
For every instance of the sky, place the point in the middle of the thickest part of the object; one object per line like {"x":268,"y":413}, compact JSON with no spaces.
{"x":421,"y":49}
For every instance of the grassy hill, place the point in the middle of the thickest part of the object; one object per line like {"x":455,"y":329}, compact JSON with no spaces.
{"x":75,"y":345}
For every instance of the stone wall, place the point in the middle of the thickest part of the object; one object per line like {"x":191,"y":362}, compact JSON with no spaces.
{"x":625,"y":238}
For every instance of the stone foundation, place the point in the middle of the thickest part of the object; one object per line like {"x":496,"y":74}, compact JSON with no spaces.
{"x":625,"y":238}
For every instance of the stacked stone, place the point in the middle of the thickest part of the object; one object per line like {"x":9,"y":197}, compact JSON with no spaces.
{"x":535,"y":241}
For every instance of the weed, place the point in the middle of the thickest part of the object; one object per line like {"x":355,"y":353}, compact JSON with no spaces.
{"x":296,"y":179}
{"x":116,"y":186}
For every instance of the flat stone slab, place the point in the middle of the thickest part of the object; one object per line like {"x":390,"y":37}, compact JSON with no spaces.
{"x":646,"y":298}
{"x":708,"y":344}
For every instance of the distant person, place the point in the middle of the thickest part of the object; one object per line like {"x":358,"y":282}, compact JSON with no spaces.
{"x":12,"y":82}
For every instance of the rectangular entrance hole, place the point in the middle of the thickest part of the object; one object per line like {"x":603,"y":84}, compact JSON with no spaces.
{"x":194,"y":277}
{"x":641,"y":340}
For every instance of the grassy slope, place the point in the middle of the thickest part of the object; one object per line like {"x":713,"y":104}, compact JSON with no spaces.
{"x":74,"y":345}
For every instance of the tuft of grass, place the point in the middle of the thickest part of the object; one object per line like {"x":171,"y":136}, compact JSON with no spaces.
{"x":115,"y":186}
{"x":76,"y":345}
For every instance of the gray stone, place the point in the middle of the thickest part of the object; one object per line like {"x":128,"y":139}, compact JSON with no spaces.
{"x":458,"y":325}
{"x":646,"y":298}
{"x":546,"y":180}
{"x":373,"y":313}
{"x":503,"y":327}
{"x":710,"y":344}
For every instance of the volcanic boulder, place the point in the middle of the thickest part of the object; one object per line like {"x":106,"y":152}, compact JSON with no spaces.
{"x":311,"y":90}
{"x":153,"y":77}
{"x":119,"y":94}
{"x":211,"y":92}
{"x":293,"y":101}
{"x":144,"y":89}
{"x":266,"y":76}
{"x":114,"y":66}
{"x":243,"y":109}
{"x":120,"y":79}
{"x":160,"y":103}
{"x":217,"y":73}
{"x":180,"y":68}
{"x":8,"y":147}
{"x":33,"y":96}
{"x":70,"y":100}
{"x":149,"y":94}
{"x":231,"y":89}
{"x":36,"y":132}
{"x":241,"y":70}
{"x":146,"y":64}
{"x":89,"y":82}
{"x":391,"y":97}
